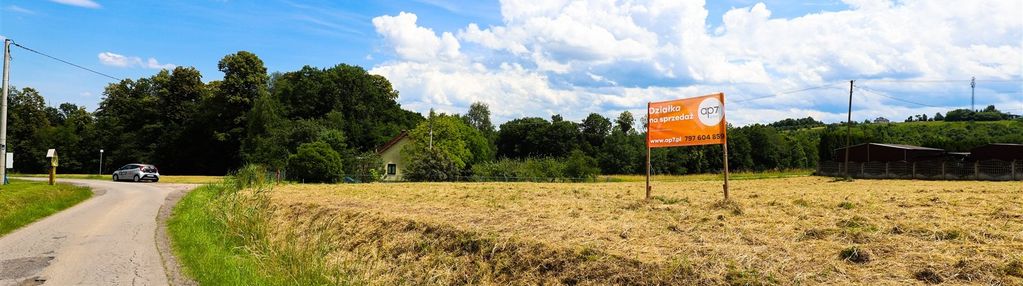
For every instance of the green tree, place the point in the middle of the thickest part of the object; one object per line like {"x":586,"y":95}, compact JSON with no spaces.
{"x":26,"y":121}
{"x":479,"y":117}
{"x":959,"y":115}
{"x":595,"y":129}
{"x":431,"y":165}
{"x":522,"y":138}
{"x":245,"y":81}
{"x":315,"y":162}
{"x":625,"y":122}
{"x":580,"y":166}
{"x":462,"y":144}
{"x":268,"y":133}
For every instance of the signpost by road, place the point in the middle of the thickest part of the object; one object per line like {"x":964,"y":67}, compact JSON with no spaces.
{"x":8,"y":164}
{"x":52,"y":154}
{"x":687,"y":122}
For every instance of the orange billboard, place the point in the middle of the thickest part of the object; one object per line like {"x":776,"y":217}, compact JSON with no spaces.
{"x":687,"y":122}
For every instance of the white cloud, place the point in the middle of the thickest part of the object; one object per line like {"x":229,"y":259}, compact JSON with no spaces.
{"x":415,"y":43}
{"x":116,"y":60}
{"x":576,"y":57}
{"x":79,"y":3}
{"x":19,"y":9}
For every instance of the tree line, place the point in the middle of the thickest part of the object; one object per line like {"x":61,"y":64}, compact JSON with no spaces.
{"x":186,"y":126}
{"x":325,"y":124}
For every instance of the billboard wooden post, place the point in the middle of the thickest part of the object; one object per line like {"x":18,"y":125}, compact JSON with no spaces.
{"x":724,"y":146}
{"x":647,"y":151}
{"x":687,"y":122}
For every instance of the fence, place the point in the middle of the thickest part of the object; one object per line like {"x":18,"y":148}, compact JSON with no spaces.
{"x":597,"y":179}
{"x":989,"y":170}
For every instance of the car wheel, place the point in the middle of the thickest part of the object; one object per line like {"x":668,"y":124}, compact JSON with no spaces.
{"x":115,"y":178}
{"x":136,"y":178}
{"x":157,"y":180}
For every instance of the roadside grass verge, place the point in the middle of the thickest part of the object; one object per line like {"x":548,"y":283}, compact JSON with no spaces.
{"x":222,"y":235}
{"x":23,"y":202}
{"x":170,"y":179}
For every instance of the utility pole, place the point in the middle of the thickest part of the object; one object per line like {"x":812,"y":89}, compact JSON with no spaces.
{"x":848,"y":133}
{"x":3,"y":111}
{"x":431,"y":128}
{"x":973,"y":98}
{"x":101,"y":161}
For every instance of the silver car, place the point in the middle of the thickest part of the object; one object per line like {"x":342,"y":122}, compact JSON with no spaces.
{"x":137,"y":173}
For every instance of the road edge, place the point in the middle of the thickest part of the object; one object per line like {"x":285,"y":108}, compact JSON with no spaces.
{"x":171,"y":266}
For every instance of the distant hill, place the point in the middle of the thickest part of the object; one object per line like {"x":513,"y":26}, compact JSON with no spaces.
{"x":951,"y":136}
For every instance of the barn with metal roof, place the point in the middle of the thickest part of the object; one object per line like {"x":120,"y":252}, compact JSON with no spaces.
{"x":880,"y":152}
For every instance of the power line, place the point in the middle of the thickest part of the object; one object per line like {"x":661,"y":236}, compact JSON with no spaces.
{"x":787,"y":92}
{"x":868,"y":90}
{"x":940,"y":80}
{"x":66,"y":62}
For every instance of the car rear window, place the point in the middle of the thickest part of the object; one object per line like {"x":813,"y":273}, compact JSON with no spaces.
{"x":150,"y":169}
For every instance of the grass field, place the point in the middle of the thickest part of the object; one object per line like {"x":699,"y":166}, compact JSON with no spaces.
{"x":170,"y":179}
{"x":713,"y":177}
{"x":23,"y":202}
{"x":799,"y":230}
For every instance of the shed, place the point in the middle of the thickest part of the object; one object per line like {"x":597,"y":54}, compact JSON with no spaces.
{"x":880,"y":152}
{"x":390,"y":154}
{"x":998,"y":151}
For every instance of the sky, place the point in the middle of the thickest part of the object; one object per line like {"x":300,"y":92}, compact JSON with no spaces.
{"x":772,"y":59}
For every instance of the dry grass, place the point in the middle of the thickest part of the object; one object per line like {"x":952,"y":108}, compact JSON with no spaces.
{"x":804,"y":230}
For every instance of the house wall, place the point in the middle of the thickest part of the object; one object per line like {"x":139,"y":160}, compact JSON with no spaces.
{"x":393,"y":156}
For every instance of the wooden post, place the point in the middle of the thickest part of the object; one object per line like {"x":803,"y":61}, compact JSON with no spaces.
{"x":848,"y":133}
{"x":943,"y":170}
{"x":914,"y":171}
{"x":53,"y":174}
{"x":724,"y":147}
{"x":886,"y":175}
{"x":976,"y":170}
{"x":648,"y":150}
{"x":1013,"y":169}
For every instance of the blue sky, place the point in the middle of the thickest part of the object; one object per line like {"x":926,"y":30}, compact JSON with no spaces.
{"x":528,"y":58}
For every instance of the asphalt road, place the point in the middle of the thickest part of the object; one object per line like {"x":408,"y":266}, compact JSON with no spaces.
{"x":109,"y":239}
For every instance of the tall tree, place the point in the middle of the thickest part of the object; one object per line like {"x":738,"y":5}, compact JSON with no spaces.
{"x":245,"y":80}
{"x":26,"y":121}
{"x":479,"y":117}
{"x":595,"y":129}
{"x":625,"y":121}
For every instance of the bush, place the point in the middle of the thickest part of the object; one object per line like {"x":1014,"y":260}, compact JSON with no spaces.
{"x":431,"y":165}
{"x":366,"y":167}
{"x":532,"y":169}
{"x":581,"y":167}
{"x":315,"y":162}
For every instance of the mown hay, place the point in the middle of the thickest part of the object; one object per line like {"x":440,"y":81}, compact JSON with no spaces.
{"x":592,"y":231}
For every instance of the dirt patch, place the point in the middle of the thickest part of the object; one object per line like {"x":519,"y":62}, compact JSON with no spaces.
{"x":21,"y":269}
{"x":171,"y":267}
